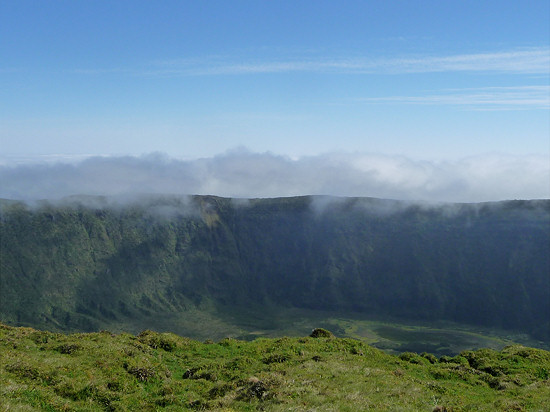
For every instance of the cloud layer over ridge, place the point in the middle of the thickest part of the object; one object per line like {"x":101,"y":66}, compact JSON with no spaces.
{"x":244,"y":174}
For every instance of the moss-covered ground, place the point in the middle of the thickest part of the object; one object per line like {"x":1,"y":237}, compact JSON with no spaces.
{"x":162,"y":371}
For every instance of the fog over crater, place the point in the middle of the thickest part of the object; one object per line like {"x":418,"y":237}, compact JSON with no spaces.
{"x":244,"y":174}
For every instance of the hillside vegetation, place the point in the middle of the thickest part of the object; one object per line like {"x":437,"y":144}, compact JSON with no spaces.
{"x":87,"y":264}
{"x":102,"y":371}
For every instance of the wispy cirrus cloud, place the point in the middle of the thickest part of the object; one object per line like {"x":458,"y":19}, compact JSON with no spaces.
{"x":524,"y":61}
{"x":102,"y":71}
{"x":531,"y":61}
{"x":485,"y":98}
{"x":514,"y":61}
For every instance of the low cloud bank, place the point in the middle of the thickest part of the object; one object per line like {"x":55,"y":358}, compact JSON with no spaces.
{"x":245,"y":174}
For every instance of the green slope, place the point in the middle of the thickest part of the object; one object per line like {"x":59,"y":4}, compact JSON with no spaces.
{"x":103,"y":371}
{"x":87,"y":264}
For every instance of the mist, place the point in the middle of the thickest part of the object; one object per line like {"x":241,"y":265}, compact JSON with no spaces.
{"x":245,"y":174}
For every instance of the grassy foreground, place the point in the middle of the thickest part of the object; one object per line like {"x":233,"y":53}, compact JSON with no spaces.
{"x":154,"y":371}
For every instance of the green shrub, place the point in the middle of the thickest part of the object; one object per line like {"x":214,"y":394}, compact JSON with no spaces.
{"x":430,"y":357}
{"x":257,"y":389}
{"x":461,"y":360}
{"x":142,"y":373}
{"x":542,"y":373}
{"x":412,"y":357}
{"x":227,"y":342}
{"x":23,"y":370}
{"x":156,"y":340}
{"x":200,"y":373}
{"x":356,"y":351}
{"x":276,"y":358}
{"x":321,"y":333}
{"x":68,"y":348}
{"x":199,"y":405}
{"x":220,"y":389}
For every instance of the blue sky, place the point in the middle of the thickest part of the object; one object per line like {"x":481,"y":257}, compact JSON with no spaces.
{"x":434,"y":81}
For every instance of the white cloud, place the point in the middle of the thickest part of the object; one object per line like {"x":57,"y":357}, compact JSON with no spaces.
{"x":245,"y":174}
{"x":531,"y":61}
{"x":486,"y":98}
{"x":523,"y":61}
{"x":518,"y":61}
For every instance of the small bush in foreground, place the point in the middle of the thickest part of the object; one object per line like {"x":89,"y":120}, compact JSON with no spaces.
{"x":321,"y":333}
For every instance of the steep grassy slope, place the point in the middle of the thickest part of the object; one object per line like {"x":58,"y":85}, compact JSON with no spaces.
{"x":102,"y":371}
{"x":80,"y":268}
